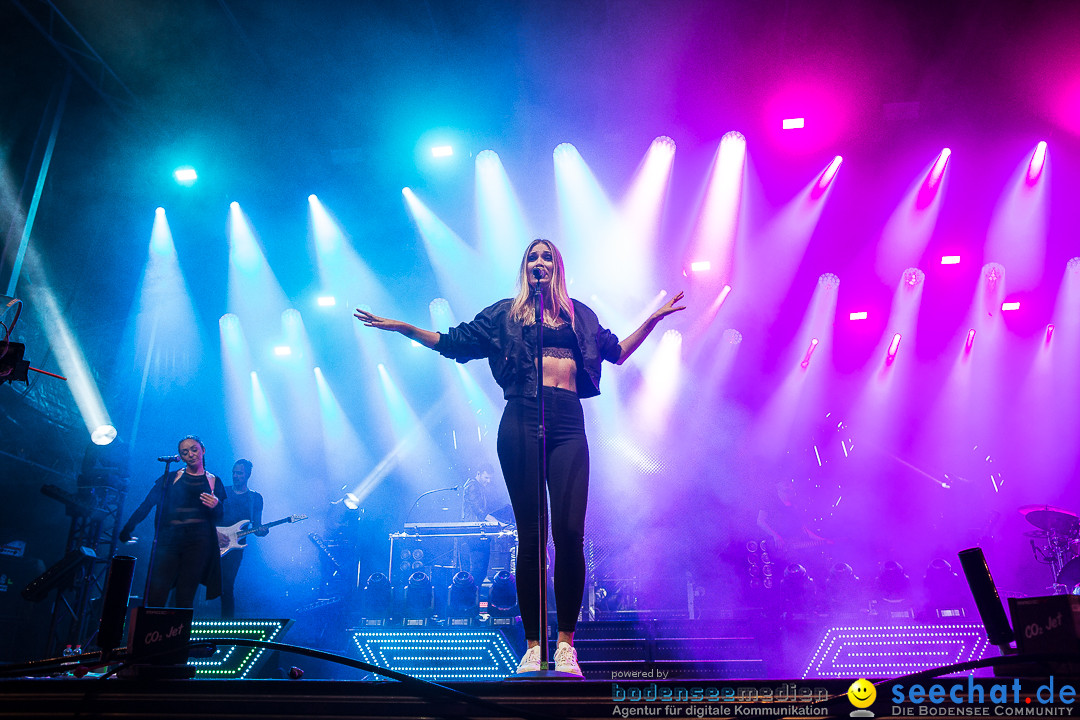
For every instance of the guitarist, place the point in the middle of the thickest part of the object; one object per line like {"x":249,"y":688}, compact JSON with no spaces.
{"x":787,"y":526}
{"x":244,"y":504}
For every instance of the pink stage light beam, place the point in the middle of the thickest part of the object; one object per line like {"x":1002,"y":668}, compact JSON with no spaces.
{"x":938,"y":170}
{"x":827,"y":176}
{"x":1038,"y":161}
{"x":894,"y":347}
{"x":809,"y":353}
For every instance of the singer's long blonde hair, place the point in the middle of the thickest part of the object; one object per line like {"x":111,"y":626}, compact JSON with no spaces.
{"x":521,"y":310}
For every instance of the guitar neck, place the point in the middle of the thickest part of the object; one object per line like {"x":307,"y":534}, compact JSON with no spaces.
{"x":267,"y":526}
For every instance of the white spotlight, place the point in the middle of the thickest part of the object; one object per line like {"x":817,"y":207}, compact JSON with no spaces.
{"x":185,"y":175}
{"x":103,"y":435}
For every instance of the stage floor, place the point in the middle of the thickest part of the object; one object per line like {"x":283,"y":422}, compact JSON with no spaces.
{"x":46,"y":699}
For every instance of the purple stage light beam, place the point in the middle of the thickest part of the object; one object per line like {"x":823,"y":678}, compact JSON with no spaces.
{"x":894,"y":347}
{"x":1038,"y":161}
{"x":936,"y":172}
{"x":809,"y":353}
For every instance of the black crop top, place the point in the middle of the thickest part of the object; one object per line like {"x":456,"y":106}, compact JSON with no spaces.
{"x":559,"y":342}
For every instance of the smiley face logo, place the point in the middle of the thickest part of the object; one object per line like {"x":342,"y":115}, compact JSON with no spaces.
{"x":862,"y":693}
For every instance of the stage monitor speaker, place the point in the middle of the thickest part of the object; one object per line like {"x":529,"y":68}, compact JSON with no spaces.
{"x":159,"y":636}
{"x":1049,"y":624}
{"x":38,"y":588}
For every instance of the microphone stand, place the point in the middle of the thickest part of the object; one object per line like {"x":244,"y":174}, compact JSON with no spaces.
{"x":166,"y":486}
{"x":423,"y":495}
{"x":545,"y":671}
{"x":541,"y":474}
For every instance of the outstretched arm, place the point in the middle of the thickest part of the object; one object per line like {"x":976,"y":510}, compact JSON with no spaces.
{"x":427,"y":338}
{"x":632,"y":341}
{"x":142,"y":511}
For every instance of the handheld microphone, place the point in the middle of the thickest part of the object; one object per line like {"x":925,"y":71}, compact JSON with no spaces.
{"x":539,"y":273}
{"x":169,"y":458}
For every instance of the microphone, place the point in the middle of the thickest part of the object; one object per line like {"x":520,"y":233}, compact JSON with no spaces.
{"x":169,"y":458}
{"x":539,"y":273}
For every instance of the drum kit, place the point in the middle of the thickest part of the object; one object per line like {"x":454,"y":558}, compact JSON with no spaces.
{"x":1056,"y":543}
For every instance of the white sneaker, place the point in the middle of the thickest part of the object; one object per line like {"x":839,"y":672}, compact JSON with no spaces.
{"x":566,"y":659}
{"x":531,"y":661}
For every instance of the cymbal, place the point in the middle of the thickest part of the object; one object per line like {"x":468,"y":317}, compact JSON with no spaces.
{"x":1037,"y":534}
{"x":1052,"y":519}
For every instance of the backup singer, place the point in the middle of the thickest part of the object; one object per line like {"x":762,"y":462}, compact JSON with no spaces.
{"x":187,"y":548}
{"x":574,"y":345}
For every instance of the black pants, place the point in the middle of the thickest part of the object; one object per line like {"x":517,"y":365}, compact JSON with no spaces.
{"x":568,"y":491}
{"x":183,"y":553}
{"x":230,"y":566}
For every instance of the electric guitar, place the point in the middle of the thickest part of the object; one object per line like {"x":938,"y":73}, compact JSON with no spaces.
{"x":229,"y":537}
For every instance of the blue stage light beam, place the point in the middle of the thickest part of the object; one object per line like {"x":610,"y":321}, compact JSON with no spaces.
{"x":461,"y":272}
{"x":402,"y":451}
{"x":267,"y":430}
{"x":167,"y":359}
{"x":344,"y":450}
{"x":342,"y":272}
{"x":294,"y":374}
{"x":65,"y":346}
{"x":587,"y":215}
{"x":504,"y":231}
{"x":410,"y":435}
{"x":295,"y":336}
{"x":470,"y":411}
{"x":236,"y":370}
{"x":255,"y":295}
{"x":402,"y":418}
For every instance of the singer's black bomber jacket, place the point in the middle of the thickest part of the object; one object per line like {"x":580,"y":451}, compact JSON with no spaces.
{"x":492,"y":334}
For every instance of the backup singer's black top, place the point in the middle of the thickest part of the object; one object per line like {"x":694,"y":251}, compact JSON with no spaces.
{"x":494,"y":335}
{"x":183,"y":507}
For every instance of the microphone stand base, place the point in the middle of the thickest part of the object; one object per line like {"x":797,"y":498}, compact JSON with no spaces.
{"x":544,"y":675}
